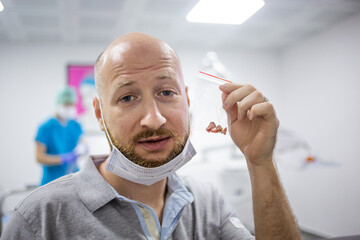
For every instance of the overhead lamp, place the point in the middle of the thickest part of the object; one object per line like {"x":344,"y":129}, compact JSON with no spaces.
{"x":1,"y":7}
{"x":224,"y":11}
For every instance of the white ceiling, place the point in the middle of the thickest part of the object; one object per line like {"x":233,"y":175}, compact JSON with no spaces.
{"x":278,"y":24}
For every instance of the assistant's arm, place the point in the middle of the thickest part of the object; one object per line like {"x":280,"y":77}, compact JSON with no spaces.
{"x":44,"y":158}
{"x":47,"y":159}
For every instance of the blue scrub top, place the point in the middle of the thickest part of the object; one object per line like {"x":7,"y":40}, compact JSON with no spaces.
{"x":58,"y":139}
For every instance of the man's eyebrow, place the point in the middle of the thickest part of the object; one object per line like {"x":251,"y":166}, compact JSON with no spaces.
{"x":124,"y":84}
{"x":163,"y":77}
{"x":131,"y":82}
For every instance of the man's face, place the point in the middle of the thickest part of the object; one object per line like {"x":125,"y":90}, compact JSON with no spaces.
{"x":145,"y":104}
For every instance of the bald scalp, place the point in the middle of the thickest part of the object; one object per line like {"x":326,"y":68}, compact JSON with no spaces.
{"x":97,"y":75}
{"x":131,"y":45}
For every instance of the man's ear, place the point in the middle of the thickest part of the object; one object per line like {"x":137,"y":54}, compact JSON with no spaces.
{"x":187,"y":96}
{"x":97,"y":109}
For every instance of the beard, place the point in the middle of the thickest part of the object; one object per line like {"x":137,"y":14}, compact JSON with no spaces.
{"x":129,"y":152}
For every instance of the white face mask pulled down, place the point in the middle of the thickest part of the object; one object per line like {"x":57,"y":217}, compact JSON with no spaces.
{"x":125,"y":168}
{"x":66,"y":112}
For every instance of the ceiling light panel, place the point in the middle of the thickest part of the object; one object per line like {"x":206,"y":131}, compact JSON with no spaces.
{"x":224,"y":11}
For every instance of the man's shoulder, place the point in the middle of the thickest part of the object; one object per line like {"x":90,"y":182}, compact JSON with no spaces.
{"x":199,"y":189}
{"x":74,"y":123}
{"x":48,"y":123}
{"x":75,"y":126}
{"x":49,"y":196}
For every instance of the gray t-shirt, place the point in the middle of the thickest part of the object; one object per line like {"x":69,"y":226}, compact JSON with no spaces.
{"x":83,"y":206}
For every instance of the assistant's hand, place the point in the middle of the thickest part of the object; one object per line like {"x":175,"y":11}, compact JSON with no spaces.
{"x":68,"y":157}
{"x":81,"y":149}
{"x":252,"y":121}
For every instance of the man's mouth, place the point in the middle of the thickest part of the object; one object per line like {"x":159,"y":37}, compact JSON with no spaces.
{"x":154,"y":143}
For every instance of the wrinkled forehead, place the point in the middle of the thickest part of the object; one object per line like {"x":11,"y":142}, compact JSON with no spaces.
{"x":136,"y":55}
{"x":131,"y":53}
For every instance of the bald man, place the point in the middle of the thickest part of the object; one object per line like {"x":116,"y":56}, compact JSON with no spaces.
{"x":134,"y":192}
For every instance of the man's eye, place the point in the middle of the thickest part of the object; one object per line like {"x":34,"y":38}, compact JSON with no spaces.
{"x":167,"y":93}
{"x":127,"y":99}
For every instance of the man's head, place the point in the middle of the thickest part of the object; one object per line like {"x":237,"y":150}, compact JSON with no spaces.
{"x":143,"y":98}
{"x":65,"y":103}
{"x":66,"y":96}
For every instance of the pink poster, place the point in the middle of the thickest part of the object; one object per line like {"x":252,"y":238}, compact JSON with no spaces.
{"x":81,"y":77}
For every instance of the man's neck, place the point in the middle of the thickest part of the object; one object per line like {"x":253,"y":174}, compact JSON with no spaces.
{"x":153,"y":196}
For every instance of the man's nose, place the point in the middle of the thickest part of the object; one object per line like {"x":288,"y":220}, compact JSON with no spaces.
{"x":153,"y":118}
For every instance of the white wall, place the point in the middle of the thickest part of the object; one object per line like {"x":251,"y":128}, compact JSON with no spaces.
{"x":320,"y":101}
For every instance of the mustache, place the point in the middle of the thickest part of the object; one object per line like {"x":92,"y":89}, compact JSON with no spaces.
{"x":161,"y":132}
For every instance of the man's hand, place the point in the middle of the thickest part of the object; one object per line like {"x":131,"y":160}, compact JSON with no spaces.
{"x":253,"y":127}
{"x":252,"y":121}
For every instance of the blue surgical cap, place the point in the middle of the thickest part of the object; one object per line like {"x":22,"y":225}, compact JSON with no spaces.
{"x":66,"y":95}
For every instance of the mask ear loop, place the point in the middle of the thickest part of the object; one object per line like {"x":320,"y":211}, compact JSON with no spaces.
{"x":105,"y":127}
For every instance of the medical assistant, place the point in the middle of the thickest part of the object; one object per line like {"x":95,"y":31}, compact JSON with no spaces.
{"x":84,"y":206}
{"x":58,"y":139}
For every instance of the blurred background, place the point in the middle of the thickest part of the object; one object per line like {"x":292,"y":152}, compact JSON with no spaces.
{"x":304,"y":55}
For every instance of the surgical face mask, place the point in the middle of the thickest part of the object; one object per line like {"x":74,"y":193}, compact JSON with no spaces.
{"x":125,"y":168}
{"x":66,"y":112}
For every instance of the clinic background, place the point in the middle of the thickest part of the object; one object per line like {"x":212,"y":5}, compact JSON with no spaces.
{"x":311,"y":77}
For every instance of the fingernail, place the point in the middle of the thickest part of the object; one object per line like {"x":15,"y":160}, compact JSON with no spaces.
{"x":250,"y":116}
{"x":224,"y":87}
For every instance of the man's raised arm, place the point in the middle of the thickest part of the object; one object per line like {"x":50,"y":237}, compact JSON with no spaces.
{"x":253,"y":127}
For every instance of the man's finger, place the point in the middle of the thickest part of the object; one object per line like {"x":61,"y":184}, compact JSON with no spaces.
{"x":265,"y":110}
{"x":238,"y":95}
{"x":247,"y":103}
{"x":229,"y":87}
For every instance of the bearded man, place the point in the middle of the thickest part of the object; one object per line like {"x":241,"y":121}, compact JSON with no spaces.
{"x":134,"y":193}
